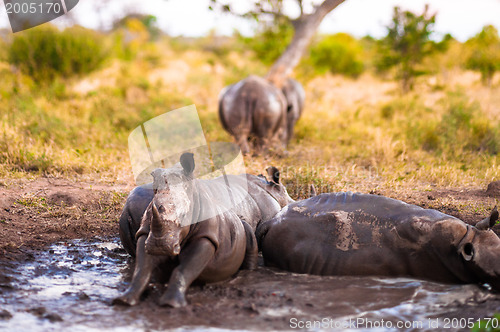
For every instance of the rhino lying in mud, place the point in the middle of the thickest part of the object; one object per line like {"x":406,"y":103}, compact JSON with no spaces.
{"x":255,"y":108}
{"x":361,"y":234}
{"x":187,"y":232}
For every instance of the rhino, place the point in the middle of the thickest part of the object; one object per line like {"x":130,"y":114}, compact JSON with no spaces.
{"x":361,"y":234}
{"x":255,"y":108}
{"x":181,"y":226}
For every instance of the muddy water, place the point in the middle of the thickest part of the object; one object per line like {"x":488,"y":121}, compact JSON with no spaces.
{"x":70,"y":287}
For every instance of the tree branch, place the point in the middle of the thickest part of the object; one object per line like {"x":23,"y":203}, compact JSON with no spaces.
{"x":305,"y":27}
{"x":301,"y":6}
{"x":254,"y":13}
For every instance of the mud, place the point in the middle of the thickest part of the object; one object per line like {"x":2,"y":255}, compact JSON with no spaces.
{"x":46,"y":285}
{"x":71,"y":285}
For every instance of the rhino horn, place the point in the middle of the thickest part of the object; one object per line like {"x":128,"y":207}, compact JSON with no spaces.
{"x":313,"y":190}
{"x":488,"y":222}
{"x":156,"y":226}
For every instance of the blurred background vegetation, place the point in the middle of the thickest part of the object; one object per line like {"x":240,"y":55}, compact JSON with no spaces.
{"x":405,"y":110}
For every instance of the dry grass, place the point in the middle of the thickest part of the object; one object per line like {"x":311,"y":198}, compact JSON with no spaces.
{"x":359,"y":135}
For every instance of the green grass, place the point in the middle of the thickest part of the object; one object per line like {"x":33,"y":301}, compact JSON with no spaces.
{"x":46,"y":52}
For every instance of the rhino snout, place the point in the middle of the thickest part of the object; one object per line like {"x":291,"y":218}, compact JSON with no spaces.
{"x":176,"y":249}
{"x":162,"y":246}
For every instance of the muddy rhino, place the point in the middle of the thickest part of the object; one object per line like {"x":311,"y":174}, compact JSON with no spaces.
{"x":254,"y":108}
{"x":360,"y":234}
{"x":262,"y":200}
{"x":189,"y":233}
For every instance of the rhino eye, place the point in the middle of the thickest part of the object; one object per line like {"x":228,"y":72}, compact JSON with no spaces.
{"x":161,"y":209}
{"x":468,"y":251}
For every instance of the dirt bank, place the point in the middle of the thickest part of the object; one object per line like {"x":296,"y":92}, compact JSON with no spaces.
{"x":36,"y":213}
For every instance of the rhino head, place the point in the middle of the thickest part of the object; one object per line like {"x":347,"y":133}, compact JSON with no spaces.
{"x":172,"y":209}
{"x":274,"y":186}
{"x":480,"y":251}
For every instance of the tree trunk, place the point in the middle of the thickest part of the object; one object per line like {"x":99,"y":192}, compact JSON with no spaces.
{"x":305,"y":27}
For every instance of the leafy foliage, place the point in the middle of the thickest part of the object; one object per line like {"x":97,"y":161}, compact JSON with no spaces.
{"x":485,"y":53}
{"x":145,"y":22}
{"x":406,"y":45}
{"x":45,"y":52}
{"x":338,"y":54}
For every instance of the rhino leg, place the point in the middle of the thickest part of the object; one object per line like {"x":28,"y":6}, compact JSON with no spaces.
{"x":261,"y":232}
{"x":251,"y":252}
{"x":260,"y":146}
{"x":144,"y":267}
{"x":192,"y":261}
{"x":242,"y":141}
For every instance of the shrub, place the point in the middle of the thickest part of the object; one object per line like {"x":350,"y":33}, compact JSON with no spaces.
{"x":406,"y":45}
{"x":338,"y":54}
{"x":129,"y":38}
{"x":485,"y":53}
{"x":45,"y":52}
{"x":136,"y":22}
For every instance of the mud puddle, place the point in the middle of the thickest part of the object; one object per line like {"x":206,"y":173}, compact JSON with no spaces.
{"x":71,"y":286}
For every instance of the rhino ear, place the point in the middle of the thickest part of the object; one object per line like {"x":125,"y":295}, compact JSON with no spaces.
{"x":155,"y":172}
{"x":488,"y":222}
{"x":187,"y":162}
{"x":274,"y":174}
{"x":467,"y":251}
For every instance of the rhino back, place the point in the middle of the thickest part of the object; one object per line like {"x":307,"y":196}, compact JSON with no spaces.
{"x":247,"y":200}
{"x":350,"y":234}
{"x":367,"y":206}
{"x":252,"y":105}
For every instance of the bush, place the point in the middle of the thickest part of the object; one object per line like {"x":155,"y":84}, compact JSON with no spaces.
{"x":407,"y":44}
{"x":130,"y":38}
{"x":338,"y":54}
{"x":45,"y":53}
{"x":139,"y":22}
{"x":485,"y":53}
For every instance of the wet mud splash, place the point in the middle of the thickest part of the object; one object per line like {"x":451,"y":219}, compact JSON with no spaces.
{"x":71,"y":286}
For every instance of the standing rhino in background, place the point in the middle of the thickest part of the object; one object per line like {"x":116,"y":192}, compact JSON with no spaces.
{"x":255,"y":108}
{"x":188,"y":233}
{"x":360,"y":234}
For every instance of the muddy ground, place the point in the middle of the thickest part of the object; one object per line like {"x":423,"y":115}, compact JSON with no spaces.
{"x":36,"y":213}
{"x":39,"y":220}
